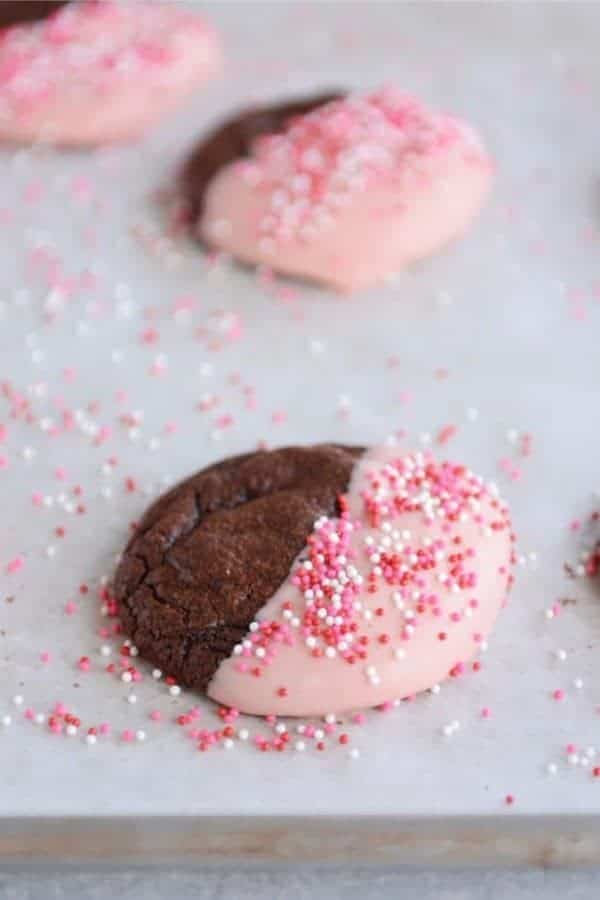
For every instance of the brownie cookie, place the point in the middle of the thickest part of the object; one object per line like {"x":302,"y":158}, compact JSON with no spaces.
{"x":317,"y":580}
{"x":129,"y":63}
{"x":210,"y":553}
{"x":233,"y":140}
{"x":345,"y":190}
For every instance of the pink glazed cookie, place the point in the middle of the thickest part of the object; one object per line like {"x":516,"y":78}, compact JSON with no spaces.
{"x":100,"y":71}
{"x":316,"y":580}
{"x":349,"y":192}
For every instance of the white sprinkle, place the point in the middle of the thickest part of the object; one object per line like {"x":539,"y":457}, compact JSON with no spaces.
{"x":551,"y":768}
{"x":126,"y":677}
{"x":561,"y":654}
{"x":578,"y":684}
{"x":91,"y":739}
{"x":40,"y":718}
{"x":354,"y":753}
{"x":131,"y":698}
{"x":156,"y":674}
{"x":140,"y":736}
{"x":300,"y":746}
{"x":6,"y":720}
{"x":18,"y":699}
{"x":174,"y":690}
{"x":228,"y":744}
{"x":243,"y":734}
{"x":573,"y":759}
{"x":105,"y":650}
{"x":71,"y":730}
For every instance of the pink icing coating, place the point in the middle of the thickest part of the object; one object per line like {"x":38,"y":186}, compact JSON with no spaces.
{"x":388,"y":600}
{"x":350,"y":192}
{"x":99,"y":72}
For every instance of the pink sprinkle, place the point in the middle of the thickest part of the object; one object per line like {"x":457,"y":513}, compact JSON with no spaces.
{"x":29,"y":713}
{"x":60,"y":709}
{"x":509,"y":799}
{"x":446,"y":433}
{"x":71,"y":608}
{"x":526,"y":444}
{"x":45,"y":656}
{"x":558,"y":694}
{"x":156,"y":715}
{"x":15,"y":565}
{"x":104,"y":728}
{"x":81,"y":186}
{"x":225,"y":421}
{"x":485,"y":712}
{"x":3,"y":433}
{"x":278,"y":417}
{"x":127,"y":736}
{"x":571,"y":748}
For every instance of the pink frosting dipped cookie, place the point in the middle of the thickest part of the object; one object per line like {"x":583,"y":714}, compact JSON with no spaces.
{"x":349,"y":192}
{"x":99,"y":71}
{"x":389,"y":598}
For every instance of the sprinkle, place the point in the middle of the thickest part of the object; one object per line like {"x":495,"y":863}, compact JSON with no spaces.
{"x":15,"y":565}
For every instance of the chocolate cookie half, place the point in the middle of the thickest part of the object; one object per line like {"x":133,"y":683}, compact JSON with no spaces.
{"x":14,"y":13}
{"x":210,"y":553}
